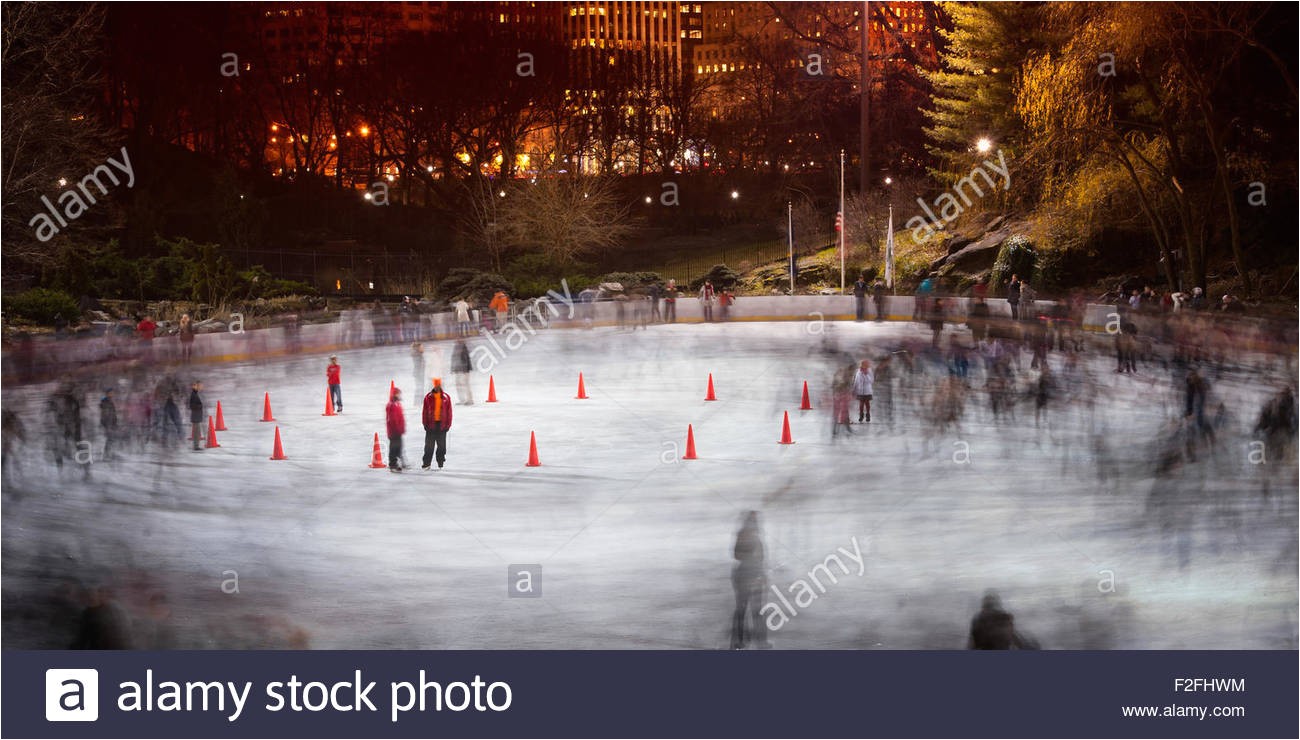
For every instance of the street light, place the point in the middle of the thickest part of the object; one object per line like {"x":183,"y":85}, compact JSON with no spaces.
{"x":984,"y":145}
{"x":735,"y":194}
{"x":889,"y":181}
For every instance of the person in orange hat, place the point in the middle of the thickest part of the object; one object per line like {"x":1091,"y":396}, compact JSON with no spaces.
{"x":437,"y":422}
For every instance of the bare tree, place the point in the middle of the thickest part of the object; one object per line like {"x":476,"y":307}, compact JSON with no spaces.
{"x":50,"y":130}
{"x":565,"y":218}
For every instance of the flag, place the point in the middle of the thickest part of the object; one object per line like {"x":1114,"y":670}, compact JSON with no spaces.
{"x":839,"y":221}
{"x":889,"y":251}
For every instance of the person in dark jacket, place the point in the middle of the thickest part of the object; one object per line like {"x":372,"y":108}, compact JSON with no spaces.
{"x":878,"y":295}
{"x":995,"y":629}
{"x":461,"y":368}
{"x":748,"y":579}
{"x":196,"y":414}
{"x":1013,"y":296}
{"x":108,"y":422}
{"x":860,"y":299}
{"x":938,"y":312}
{"x":171,"y":421}
{"x":396,"y":427}
{"x":436,"y":417}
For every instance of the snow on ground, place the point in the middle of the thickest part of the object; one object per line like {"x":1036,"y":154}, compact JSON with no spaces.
{"x":634,"y":543}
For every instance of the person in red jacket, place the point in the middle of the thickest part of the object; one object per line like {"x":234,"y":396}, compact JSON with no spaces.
{"x":146,"y":328}
{"x":437,"y":421}
{"x":396,"y":428}
{"x":332,"y":373}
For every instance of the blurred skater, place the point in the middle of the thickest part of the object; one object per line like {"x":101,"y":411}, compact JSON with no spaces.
{"x":461,"y":368}
{"x":670,"y":302}
{"x":417,"y":367}
{"x":395,"y":424}
{"x":436,"y":417}
{"x":995,"y":629}
{"x":108,"y":422}
{"x":196,"y":414}
{"x":748,"y":579}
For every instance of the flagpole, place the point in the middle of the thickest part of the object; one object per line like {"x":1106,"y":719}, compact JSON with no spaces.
{"x":889,"y":251}
{"x":843,"y":219}
{"x":789,"y":223}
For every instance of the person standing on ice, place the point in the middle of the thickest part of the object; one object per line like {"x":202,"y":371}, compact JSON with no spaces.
{"x":670,"y":302}
{"x":437,"y":422}
{"x":395,"y":425}
{"x":748,"y":579}
{"x":863,"y":387}
{"x":461,"y":368}
{"x":333,"y":376}
{"x":196,"y":414}
{"x":860,"y":299}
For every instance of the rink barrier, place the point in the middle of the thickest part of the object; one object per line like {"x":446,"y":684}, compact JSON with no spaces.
{"x":354,"y":331}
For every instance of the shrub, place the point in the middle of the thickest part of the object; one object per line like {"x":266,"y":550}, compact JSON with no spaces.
{"x":722,"y":277}
{"x":42,"y":305}
{"x":476,"y":284}
{"x":1017,"y":256}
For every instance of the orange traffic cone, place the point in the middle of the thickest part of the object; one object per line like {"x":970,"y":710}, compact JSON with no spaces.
{"x":221,"y":420}
{"x":690,"y":443}
{"x":329,"y":404}
{"x":533,"y":462}
{"x":582,"y":388}
{"x":392,"y":389}
{"x":266,"y":408}
{"x":278,"y":452}
{"x":377,"y":456}
{"x":786,"y":439}
{"x":806,"y":403}
{"x":492,"y":390}
{"x":709,"y":396}
{"x":212,"y":433}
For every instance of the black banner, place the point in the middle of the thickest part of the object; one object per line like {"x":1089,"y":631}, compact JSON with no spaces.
{"x":650,"y":694}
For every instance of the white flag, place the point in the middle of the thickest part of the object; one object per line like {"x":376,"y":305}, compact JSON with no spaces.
{"x":889,"y":251}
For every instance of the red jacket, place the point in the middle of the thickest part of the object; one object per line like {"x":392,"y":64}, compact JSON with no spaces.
{"x":332,"y":374}
{"x":396,"y":419}
{"x":146,"y":329}
{"x":427,"y":417}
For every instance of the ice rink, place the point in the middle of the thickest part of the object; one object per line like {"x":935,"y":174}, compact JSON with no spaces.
{"x":634,"y":543}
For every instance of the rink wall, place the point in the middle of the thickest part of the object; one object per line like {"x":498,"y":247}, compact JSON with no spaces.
{"x":51,"y":357}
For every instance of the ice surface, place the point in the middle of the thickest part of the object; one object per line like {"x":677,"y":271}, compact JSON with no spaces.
{"x":635,"y":544}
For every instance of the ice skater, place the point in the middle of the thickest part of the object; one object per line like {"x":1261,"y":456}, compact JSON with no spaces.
{"x":748,"y":579}
{"x":461,"y":368}
{"x":396,"y":427}
{"x":417,"y":367}
{"x":196,"y":414}
{"x":863,"y":387}
{"x":437,"y":422}
{"x":995,"y":629}
{"x":108,"y":422}
{"x":333,"y":376}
